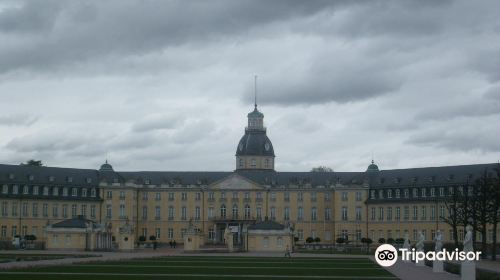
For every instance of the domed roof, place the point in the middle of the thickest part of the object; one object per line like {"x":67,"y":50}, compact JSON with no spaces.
{"x":255,"y":143}
{"x":106,"y":167}
{"x":372,"y":167}
{"x":255,"y":113}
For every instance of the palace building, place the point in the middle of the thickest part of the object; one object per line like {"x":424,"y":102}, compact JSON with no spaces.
{"x":371,"y":203}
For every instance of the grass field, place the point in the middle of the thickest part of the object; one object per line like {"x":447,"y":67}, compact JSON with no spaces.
{"x":207,"y":268}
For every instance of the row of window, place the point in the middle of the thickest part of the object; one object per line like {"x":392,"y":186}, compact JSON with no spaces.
{"x":253,"y":163}
{"x":67,"y":179}
{"x":45,"y":190}
{"x":42,"y":209}
{"x":235,"y":195}
{"x":421,"y":213}
{"x":222,"y":213}
{"x":418,"y":192}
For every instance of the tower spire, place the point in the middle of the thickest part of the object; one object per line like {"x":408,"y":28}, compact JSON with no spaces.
{"x":255,"y":91}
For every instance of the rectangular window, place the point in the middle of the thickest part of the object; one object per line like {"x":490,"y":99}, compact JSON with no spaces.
{"x":3,"y":234}
{"x":14,"y":209}
{"x":398,"y":213}
{"x":74,"y":192}
{"x":372,"y":213}
{"x":415,"y":212}
{"x":5,"y":208}
{"x":35,"y":210}
{"x":273,"y":213}
{"x":92,"y":211}
{"x":300,"y":196}
{"x":158,"y":212}
{"x":344,"y":213}
{"x":122,"y":195}
{"x":398,"y":193}
{"x":83,"y":210}
{"x":171,"y":213}
{"x":197,"y":213}
{"x":170,"y":233}
{"x":184,"y":213}
{"x":197,"y":196}
{"x":45,"y":210}
{"x":55,"y":210}
{"x":122,"y":211}
{"x":171,"y":196}
{"x":108,"y":211}
{"x":328,"y":214}
{"x":381,"y":213}
{"x":313,"y":196}
{"x":389,"y":213}
{"x":184,"y":196}
{"x":109,"y":194}
{"x":158,"y":196}
{"x":210,"y":212}
{"x":157,"y":233}
{"x":407,"y":213}
{"x":300,"y":214}
{"x":358,"y":196}
{"x":359,"y":214}
{"x":300,"y":234}
{"x":25,"y":209}
{"x":144,"y":212}
{"x":259,"y":213}
{"x":287,"y":214}
{"x":433,"y":213}
{"x":344,"y":196}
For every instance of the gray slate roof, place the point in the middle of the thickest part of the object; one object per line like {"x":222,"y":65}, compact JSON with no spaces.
{"x":78,"y":222}
{"x":253,"y":143}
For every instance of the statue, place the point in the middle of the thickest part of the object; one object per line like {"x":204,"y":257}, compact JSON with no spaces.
{"x":406,"y":244}
{"x":420,"y":244}
{"x":227,"y":235}
{"x":468,"y":246}
{"x":439,"y":241}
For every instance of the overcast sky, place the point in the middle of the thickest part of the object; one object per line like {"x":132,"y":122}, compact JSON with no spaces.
{"x":167,"y":85}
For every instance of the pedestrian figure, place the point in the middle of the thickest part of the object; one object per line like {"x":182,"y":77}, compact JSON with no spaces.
{"x":170,"y":243}
{"x":174,"y":244}
{"x":287,"y":252}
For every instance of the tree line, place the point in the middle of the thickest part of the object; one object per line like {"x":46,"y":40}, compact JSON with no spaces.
{"x":476,"y":203}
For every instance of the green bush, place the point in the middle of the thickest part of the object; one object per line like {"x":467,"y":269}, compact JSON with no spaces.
{"x":309,"y":240}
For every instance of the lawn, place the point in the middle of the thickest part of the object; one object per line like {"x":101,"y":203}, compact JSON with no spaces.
{"x":12,"y":257}
{"x":207,"y":268}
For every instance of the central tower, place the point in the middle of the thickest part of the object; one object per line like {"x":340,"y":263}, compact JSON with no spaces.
{"x":255,"y":150}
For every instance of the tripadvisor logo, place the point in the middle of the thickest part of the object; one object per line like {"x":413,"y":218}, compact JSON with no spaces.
{"x":386,"y":255}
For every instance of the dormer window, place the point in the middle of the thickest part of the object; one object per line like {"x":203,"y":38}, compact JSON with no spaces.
{"x":389,"y":193}
{"x":31,"y":177}
{"x":380,"y":194}
{"x":69,"y":179}
{"x":407,"y":193}
{"x":147,"y":181}
{"x":372,"y":194}
{"x":5,"y":189}
{"x":45,"y":190}
{"x":65,"y":191}
{"x":15,"y":189}
{"x":51,"y":178}
{"x":11,"y":176}
{"x":84,"y":192}
{"x":55,"y":191}
{"x":74,"y":192}
{"x":397,"y":193}
{"x":25,"y":189}
{"x":35,"y":190}
{"x":88,"y":180}
{"x":92,"y":192}
{"x":424,"y":192}
{"x":415,"y":192}
{"x":115,"y":180}
{"x":432,"y":179}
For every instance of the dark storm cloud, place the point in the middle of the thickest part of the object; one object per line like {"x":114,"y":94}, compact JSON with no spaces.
{"x":87,"y":30}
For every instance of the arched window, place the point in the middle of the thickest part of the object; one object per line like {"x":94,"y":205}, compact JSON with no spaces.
{"x":223,"y":211}
{"x":235,"y":211}
{"x":247,"y":211}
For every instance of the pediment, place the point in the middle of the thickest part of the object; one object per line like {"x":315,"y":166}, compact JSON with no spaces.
{"x":235,"y":182}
